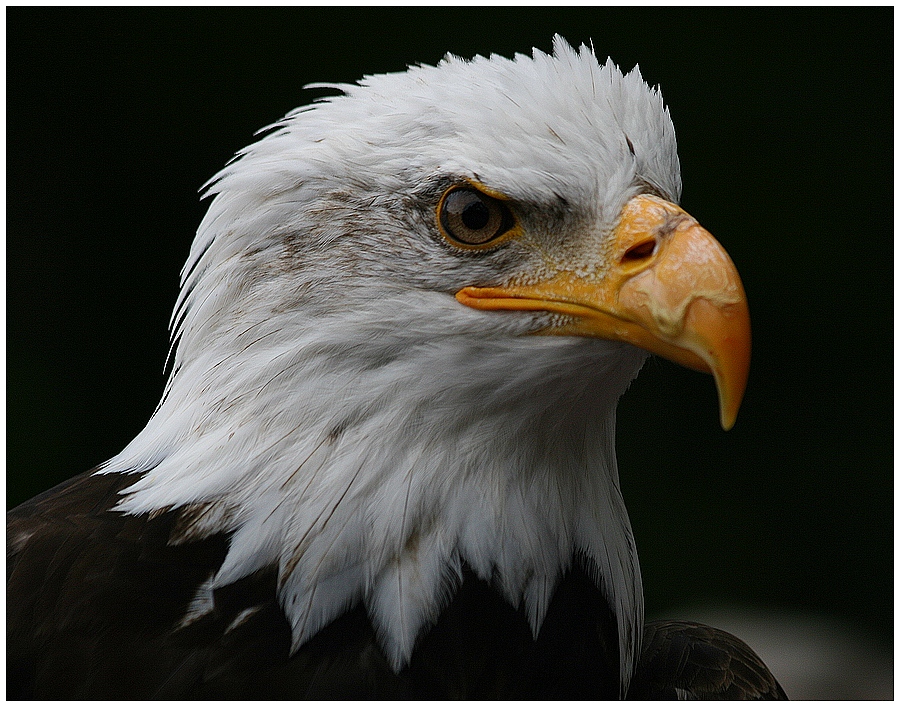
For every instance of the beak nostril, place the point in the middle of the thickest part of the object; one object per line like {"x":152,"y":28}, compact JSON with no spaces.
{"x":641,"y":251}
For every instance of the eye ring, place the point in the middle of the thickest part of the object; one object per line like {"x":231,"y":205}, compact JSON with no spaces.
{"x":470,"y":218}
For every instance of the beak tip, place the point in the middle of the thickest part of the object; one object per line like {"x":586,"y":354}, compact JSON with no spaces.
{"x":727,"y":421}
{"x":730,"y":398}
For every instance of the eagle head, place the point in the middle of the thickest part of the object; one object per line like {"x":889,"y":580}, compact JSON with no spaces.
{"x":403,"y":329}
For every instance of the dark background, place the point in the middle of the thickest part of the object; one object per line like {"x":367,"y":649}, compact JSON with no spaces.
{"x":784,"y":122}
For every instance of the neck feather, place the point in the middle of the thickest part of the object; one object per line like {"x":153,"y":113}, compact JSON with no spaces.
{"x":373,"y":472}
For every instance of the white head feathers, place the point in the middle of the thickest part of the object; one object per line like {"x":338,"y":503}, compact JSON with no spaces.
{"x":332,"y":404}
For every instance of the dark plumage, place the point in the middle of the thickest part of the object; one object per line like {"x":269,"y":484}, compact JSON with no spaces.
{"x":59,"y":644}
{"x":686,"y":660}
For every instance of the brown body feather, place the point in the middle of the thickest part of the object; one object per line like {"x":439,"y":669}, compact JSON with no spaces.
{"x":97,"y":600}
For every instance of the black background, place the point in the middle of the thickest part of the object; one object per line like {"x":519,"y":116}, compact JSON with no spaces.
{"x":784,"y":121}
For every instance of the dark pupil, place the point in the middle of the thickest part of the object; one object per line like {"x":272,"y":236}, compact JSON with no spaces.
{"x":475,"y":216}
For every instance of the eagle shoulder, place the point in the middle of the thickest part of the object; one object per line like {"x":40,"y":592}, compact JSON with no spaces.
{"x":683,"y":660}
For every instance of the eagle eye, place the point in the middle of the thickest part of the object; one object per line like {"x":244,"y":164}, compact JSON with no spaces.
{"x":468,"y":216}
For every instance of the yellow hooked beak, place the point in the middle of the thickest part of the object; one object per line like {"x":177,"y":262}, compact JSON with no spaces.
{"x":669,"y":288}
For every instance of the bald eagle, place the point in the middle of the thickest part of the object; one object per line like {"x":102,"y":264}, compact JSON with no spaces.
{"x":383,"y":464}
